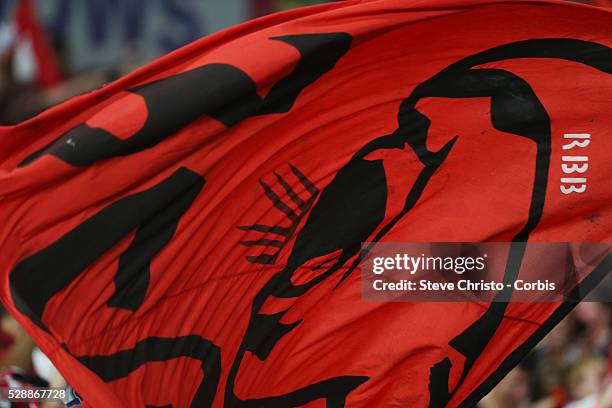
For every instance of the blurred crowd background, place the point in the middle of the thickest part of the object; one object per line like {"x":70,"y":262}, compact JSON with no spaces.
{"x":51,"y":50}
{"x":570,"y":368}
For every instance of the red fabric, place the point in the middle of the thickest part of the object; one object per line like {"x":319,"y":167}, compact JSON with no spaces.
{"x":602,"y":3}
{"x":89,"y":193}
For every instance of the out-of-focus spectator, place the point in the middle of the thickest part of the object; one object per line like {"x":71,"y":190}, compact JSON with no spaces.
{"x":23,"y":366}
{"x":570,"y":368}
{"x":586,"y":383}
{"x":595,"y":318}
{"x":17,"y":345}
{"x":511,"y":392}
{"x":554,"y":357}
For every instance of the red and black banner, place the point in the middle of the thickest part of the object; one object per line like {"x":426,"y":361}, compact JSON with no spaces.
{"x":190,"y":235}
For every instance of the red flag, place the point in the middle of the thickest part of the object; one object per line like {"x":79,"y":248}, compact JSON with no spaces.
{"x":189,"y":234}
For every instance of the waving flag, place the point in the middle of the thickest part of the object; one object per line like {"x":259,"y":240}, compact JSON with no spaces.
{"x":189,"y":235}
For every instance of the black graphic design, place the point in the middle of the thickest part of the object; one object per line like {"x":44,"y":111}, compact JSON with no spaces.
{"x":335,"y":220}
{"x":154,"y":212}
{"x":220,"y":91}
{"x":515,"y":109}
{"x":132,"y":278}
{"x":283,"y":232}
{"x":353,"y":205}
{"x":158,"y":349}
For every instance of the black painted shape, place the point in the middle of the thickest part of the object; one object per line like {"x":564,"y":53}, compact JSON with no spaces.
{"x":345,"y":214}
{"x":294,"y":216}
{"x":278,"y":202}
{"x":159,"y":349}
{"x":274,"y":229}
{"x":262,"y":342}
{"x":297,"y":200}
{"x":334,"y":391}
{"x":36,"y":279}
{"x":274,"y":243}
{"x":133,"y":275}
{"x":438,"y":387}
{"x":220,"y":91}
{"x":515,"y":109}
{"x":310,"y":186}
{"x":320,"y":53}
{"x":473,"y":340}
{"x":580,"y":51}
{"x":264,"y":259}
{"x":458,"y":80}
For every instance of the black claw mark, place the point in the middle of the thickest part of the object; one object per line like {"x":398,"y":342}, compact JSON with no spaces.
{"x":294,"y":216}
{"x":312,"y":189}
{"x":265,"y":259}
{"x":263,"y":242}
{"x":284,"y":231}
{"x":290,"y":192}
{"x":278,"y":202}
